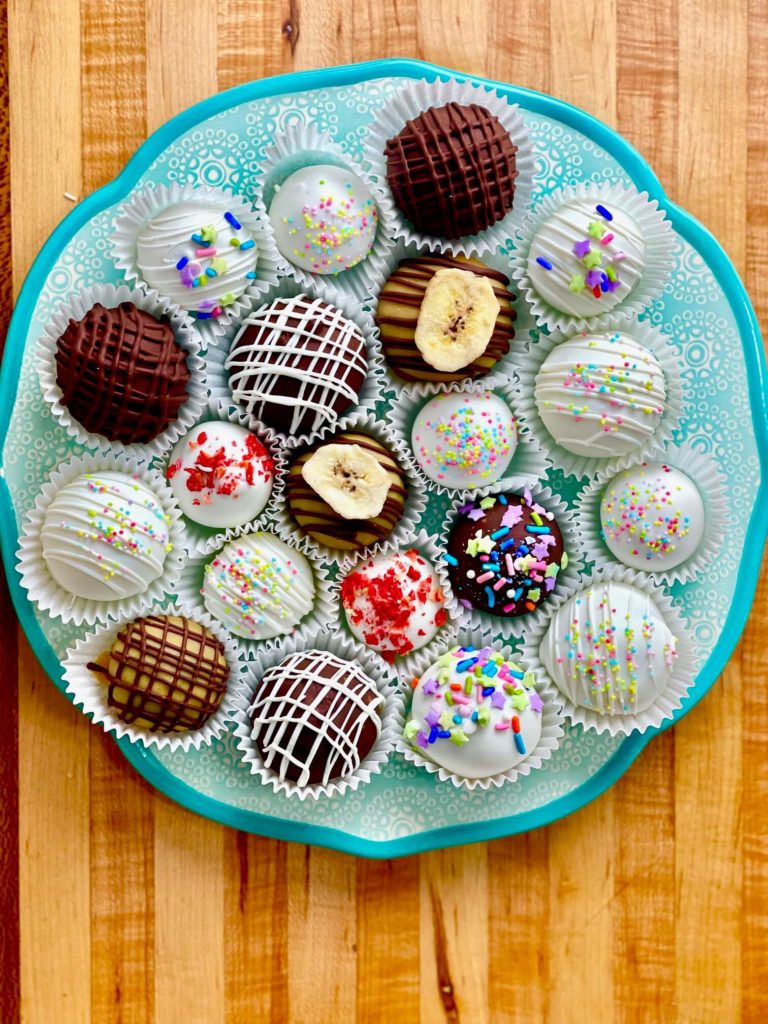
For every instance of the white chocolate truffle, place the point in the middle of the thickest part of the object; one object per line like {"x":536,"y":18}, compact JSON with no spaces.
{"x":105,"y":536}
{"x":601,"y":395}
{"x":259,"y":587}
{"x":652,"y":517}
{"x":221,"y":474}
{"x":608,"y":648}
{"x":324,"y":219}
{"x":586,"y":258}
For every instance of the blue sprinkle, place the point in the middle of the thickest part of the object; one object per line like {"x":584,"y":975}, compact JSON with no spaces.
{"x":466,"y":665}
{"x":251,"y":274}
{"x":182,"y":263}
{"x":498,"y":534}
{"x":204,"y":316}
{"x":210,"y":272}
{"x":247,"y":245}
{"x":518,"y":593}
{"x":199,"y":240}
{"x":491,"y":597}
{"x":508,"y":544}
{"x":445,"y":734}
{"x":474,"y":716}
{"x":519,"y":742}
{"x":231,"y":219}
{"x":469,"y":648}
{"x":195,"y":283}
{"x":450,"y":559}
{"x":538,"y":529}
{"x":457,"y":719}
{"x":603,"y":212}
{"x":502,"y":499}
{"x":490,"y":670}
{"x":543,"y":263}
{"x":488,"y":690}
{"x":433,"y":734}
{"x":523,"y":549}
{"x":515,"y":674}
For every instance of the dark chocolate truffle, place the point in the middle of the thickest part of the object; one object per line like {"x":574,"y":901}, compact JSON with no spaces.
{"x":504,"y":555}
{"x":452,"y":170}
{"x":315,"y":718}
{"x":122,"y":373}
{"x":164,"y":673}
{"x":398,"y":311}
{"x":297,"y":364}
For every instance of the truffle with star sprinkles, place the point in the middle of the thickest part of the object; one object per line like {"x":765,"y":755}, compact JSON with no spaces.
{"x":464,"y":440}
{"x":601,"y":395}
{"x":198,"y":254}
{"x":474,"y":713}
{"x":324,"y":219}
{"x":504,"y":554}
{"x":259,"y":587}
{"x":608,"y":648}
{"x":652,"y":517}
{"x":586,"y":257}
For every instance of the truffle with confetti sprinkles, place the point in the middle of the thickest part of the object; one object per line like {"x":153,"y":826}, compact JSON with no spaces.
{"x":324,"y":219}
{"x":504,"y":554}
{"x":474,"y":713}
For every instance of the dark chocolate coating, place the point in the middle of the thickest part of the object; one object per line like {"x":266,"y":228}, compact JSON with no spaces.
{"x":398,"y":311}
{"x":122,"y":373}
{"x":164,"y":673}
{"x":513,"y":597}
{"x":452,"y":170}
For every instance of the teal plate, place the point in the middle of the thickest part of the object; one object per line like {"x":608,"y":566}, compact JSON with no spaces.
{"x":704,"y":308}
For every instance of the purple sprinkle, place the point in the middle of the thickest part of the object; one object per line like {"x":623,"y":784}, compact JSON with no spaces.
{"x":592,"y":278}
{"x":603,"y":212}
{"x":466,"y":508}
{"x":430,"y":687}
{"x":543,"y":263}
{"x":549,"y":583}
{"x":422,"y":739}
{"x":497,"y":699}
{"x":432,"y":718}
{"x":581,"y":249}
{"x":465,"y":604}
{"x":612,"y":285}
{"x":475,"y":514}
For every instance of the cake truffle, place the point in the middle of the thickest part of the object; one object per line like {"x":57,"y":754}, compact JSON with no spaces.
{"x":221,"y":474}
{"x":105,"y":536}
{"x":504,"y":554}
{"x":652,"y":517}
{"x":452,"y":323}
{"x":601,"y":395}
{"x":297,"y":364}
{"x":315,"y":718}
{"x":164,"y":673}
{"x":464,"y":440}
{"x":121,"y":372}
{"x":609,"y":649}
{"x":324,"y":219}
{"x":475,"y":713}
{"x":394,"y":603}
{"x":452,"y":170}
{"x":347,"y":492}
{"x":259,"y":587}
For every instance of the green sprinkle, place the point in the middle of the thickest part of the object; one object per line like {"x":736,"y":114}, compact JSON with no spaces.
{"x":595,"y":229}
{"x":576,"y":284}
{"x":449,"y":698}
{"x":488,"y":502}
{"x":592,"y":259}
{"x":411,"y":728}
{"x":459,"y":737}
{"x":564,"y":560}
{"x":483,"y":715}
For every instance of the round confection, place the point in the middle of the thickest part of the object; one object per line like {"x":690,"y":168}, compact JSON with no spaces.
{"x":399,"y":306}
{"x":164,"y":673}
{"x":324,"y":219}
{"x":504,"y":554}
{"x":652,"y":517}
{"x":105,"y":536}
{"x":586,"y":258}
{"x":394,"y":603}
{"x":259,"y":587}
{"x":475,"y":713}
{"x":198,"y":254}
{"x":452,"y":170}
{"x":221,"y":474}
{"x":608,"y":648}
{"x":464,"y":441}
{"x":601,"y":395}
{"x":326,"y":526}
{"x":297,"y":364}
{"x":315,"y":718}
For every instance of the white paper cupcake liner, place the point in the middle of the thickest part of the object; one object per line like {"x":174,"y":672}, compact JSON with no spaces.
{"x":659,"y":260}
{"x":529,"y":461}
{"x":529,"y":359}
{"x":705,"y":473}
{"x":681,"y":680}
{"x":568,"y":580}
{"x":145,"y":203}
{"x":203,"y":540}
{"x":404,"y":532}
{"x":109,"y":295}
{"x":303,"y":145}
{"x":391,"y":724}
{"x":370,"y":393}
{"x":90,"y":692}
{"x":414,"y":99}
{"x":43,"y":589}
{"x":324,"y":611}
{"x":551,"y":724}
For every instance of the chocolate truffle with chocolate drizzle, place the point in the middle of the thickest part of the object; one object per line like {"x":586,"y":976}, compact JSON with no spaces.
{"x":122,"y":373}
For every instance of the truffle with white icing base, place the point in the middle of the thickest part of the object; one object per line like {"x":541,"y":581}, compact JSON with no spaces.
{"x":105,"y":536}
{"x":259,"y":587}
{"x":652,"y":517}
{"x":586,"y":258}
{"x":221,"y":474}
{"x":464,"y":440}
{"x":609,"y":649}
{"x":601,"y":395}
{"x":475,"y":724}
{"x":324,"y":219}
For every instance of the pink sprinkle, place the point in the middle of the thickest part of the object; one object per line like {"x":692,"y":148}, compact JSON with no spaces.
{"x":510,"y":564}
{"x":485,"y":577}
{"x":606,"y":239}
{"x":508,"y":607}
{"x":500,"y":583}
{"x":501,"y":726}
{"x":205,"y":252}
{"x":619,"y":256}
{"x":459,"y":698}
{"x":485,"y":558}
